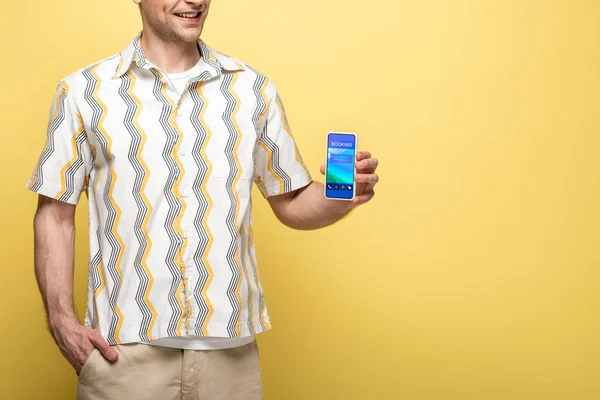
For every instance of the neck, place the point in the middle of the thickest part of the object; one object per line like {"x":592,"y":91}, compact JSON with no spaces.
{"x":171,"y":57}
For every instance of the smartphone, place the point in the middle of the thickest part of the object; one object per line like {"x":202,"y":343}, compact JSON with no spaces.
{"x":340,"y":168}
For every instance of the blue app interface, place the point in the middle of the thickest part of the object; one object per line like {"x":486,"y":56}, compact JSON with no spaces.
{"x":341,"y":155}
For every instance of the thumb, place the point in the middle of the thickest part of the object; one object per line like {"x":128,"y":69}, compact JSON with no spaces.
{"x":107,"y":351}
{"x":323,"y":169}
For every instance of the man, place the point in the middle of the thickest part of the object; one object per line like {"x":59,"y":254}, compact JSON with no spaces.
{"x":166,"y":139}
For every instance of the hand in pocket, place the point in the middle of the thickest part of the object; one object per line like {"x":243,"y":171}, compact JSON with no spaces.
{"x":77,"y":342}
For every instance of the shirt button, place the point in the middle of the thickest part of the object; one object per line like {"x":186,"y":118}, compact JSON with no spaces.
{"x":182,"y":152}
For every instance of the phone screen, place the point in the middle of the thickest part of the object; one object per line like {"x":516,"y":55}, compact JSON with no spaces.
{"x":341,"y":158}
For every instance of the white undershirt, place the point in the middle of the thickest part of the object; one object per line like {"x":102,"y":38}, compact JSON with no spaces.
{"x":180,"y":80}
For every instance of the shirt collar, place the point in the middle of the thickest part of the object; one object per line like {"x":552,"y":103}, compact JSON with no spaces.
{"x":219,"y":62}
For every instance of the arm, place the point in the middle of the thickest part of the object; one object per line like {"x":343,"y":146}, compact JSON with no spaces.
{"x":307,"y":208}
{"x":61,"y":174}
{"x":283,"y":178}
{"x":54,"y":233}
{"x":54,"y":238}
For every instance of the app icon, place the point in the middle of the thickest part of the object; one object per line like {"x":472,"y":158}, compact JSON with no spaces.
{"x":329,"y":186}
{"x":336,"y":186}
{"x":349,"y":187}
{"x":343,"y":187}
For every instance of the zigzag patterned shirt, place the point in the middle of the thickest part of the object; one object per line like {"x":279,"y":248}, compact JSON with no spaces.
{"x":168,"y":180}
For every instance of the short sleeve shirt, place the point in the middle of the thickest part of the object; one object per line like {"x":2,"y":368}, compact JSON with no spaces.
{"x":168,"y":179}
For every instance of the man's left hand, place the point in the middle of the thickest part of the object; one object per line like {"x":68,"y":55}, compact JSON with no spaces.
{"x":366,"y":178}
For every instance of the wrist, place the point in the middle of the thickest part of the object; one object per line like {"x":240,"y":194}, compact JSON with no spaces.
{"x":59,"y":321}
{"x":347,"y":206}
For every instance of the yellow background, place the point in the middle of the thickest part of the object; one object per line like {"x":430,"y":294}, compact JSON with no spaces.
{"x":474,"y":273}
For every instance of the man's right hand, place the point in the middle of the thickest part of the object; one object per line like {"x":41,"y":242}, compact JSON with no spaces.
{"x":77,"y":342}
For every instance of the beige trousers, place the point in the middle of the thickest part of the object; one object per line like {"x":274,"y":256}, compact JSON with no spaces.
{"x":145,"y":372}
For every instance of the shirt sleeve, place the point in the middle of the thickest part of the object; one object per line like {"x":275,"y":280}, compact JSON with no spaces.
{"x":278,"y":164}
{"x":63,"y":166}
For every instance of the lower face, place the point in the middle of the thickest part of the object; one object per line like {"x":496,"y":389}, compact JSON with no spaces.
{"x":175,"y":27}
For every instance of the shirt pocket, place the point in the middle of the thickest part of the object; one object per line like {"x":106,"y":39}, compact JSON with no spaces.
{"x":228,"y":149}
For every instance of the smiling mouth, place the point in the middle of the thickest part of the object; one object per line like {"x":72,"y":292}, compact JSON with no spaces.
{"x":189,"y":15}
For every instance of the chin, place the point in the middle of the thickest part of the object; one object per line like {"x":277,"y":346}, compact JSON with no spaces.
{"x":189,"y":37}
